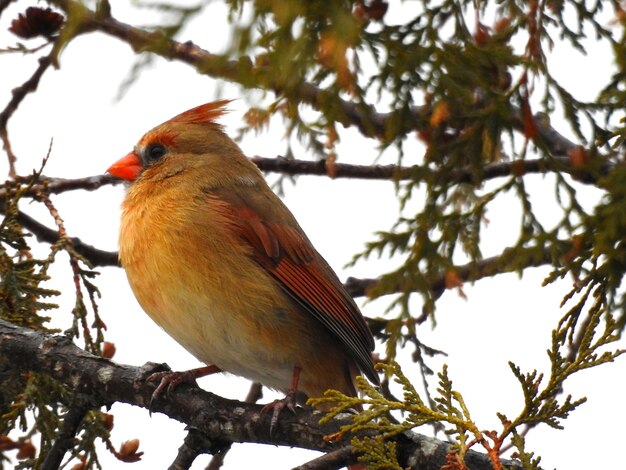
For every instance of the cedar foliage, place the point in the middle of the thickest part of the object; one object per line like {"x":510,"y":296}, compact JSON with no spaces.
{"x":470,"y":80}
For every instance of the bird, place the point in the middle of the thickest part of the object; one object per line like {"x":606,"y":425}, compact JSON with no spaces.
{"x":219,"y":262}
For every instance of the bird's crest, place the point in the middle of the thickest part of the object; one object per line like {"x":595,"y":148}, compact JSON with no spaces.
{"x":204,"y":114}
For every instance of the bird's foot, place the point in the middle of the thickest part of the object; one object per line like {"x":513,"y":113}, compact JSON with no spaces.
{"x":169,"y":380}
{"x":289,"y":402}
{"x":277,"y":406}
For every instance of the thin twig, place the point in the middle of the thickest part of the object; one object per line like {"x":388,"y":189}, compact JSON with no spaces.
{"x":255,"y":393}
{"x":217,"y":461}
{"x":45,"y":234}
{"x":17,"y":97}
{"x":66,"y":436}
{"x":280,"y":164}
{"x":77,"y":275}
{"x":333,"y":460}
{"x":293,"y":167}
{"x":363,"y":116}
{"x":4,"y":4}
{"x":472,"y":271}
{"x":195,"y":443}
{"x":54,"y":185}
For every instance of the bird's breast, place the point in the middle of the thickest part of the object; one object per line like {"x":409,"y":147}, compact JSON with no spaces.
{"x":181,"y":258}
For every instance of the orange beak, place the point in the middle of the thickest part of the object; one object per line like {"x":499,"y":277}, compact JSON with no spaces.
{"x":127,"y":168}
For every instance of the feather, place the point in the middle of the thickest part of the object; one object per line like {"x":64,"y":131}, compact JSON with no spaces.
{"x":283,"y":250}
{"x":204,"y":114}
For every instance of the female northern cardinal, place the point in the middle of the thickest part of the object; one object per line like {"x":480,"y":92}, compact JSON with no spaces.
{"x":219,"y":262}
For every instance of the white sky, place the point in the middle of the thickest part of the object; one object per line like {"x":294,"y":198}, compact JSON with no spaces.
{"x":504,"y":319}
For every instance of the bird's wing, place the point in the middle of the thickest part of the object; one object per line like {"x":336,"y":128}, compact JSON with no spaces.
{"x":280,"y":247}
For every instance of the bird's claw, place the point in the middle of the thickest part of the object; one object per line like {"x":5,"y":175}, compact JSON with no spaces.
{"x":169,"y":380}
{"x":277,"y":406}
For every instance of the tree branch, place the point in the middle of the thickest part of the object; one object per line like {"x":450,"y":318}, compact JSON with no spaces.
{"x":255,"y":393}
{"x":66,"y":436}
{"x":95,"y":256}
{"x":196,"y":443}
{"x":242,"y":71}
{"x":472,"y":271}
{"x":280,"y":164}
{"x":286,"y":166}
{"x":55,"y":185}
{"x":333,"y":460}
{"x":220,"y":420}
{"x":17,"y":97}
{"x":4,"y":4}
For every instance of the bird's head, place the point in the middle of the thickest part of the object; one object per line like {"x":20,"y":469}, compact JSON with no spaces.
{"x":183,"y":141}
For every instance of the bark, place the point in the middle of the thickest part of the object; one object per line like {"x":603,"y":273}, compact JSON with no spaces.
{"x":216,"y":422}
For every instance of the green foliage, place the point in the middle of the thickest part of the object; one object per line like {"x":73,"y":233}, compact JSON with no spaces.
{"x":37,"y":409}
{"x":377,"y":453}
{"x":526,"y":458}
{"x":474,"y":82}
{"x":92,"y":429}
{"x":35,"y":403}
{"x":607,"y":227}
{"x":468,"y":81}
{"x":21,"y":292}
{"x":473,"y":87}
{"x":543,"y":402}
{"x":41,"y":408}
{"x":378,"y":418}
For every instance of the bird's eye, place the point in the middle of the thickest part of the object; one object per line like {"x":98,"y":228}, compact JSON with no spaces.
{"x":154,"y":152}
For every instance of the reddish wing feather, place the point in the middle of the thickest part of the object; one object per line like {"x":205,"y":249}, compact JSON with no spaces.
{"x":290,"y":258}
{"x":263,"y":240}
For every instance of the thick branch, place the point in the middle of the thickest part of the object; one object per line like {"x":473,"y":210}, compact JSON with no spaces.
{"x":220,"y":420}
{"x":105,"y":382}
{"x":254,"y":395}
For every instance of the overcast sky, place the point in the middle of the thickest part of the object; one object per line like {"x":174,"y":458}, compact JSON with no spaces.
{"x":503,"y":319}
